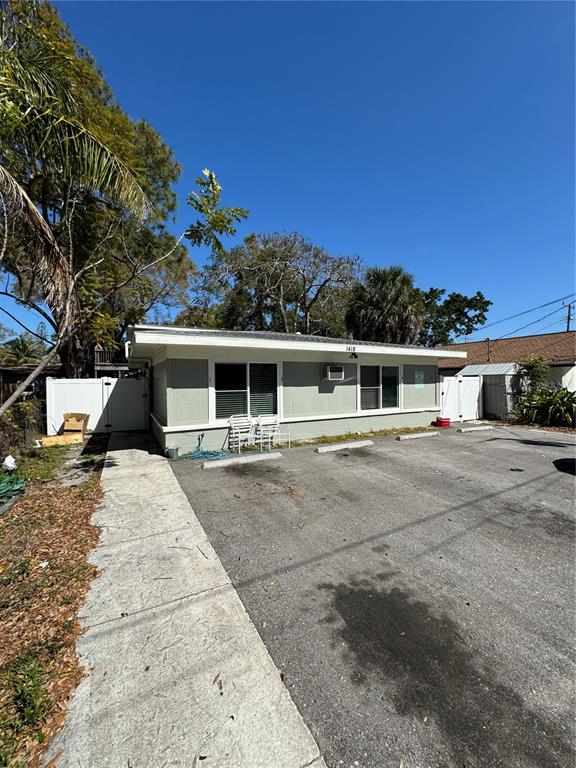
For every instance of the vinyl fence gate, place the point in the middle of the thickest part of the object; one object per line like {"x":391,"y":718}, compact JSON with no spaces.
{"x":461,"y":397}
{"x":114,"y":405}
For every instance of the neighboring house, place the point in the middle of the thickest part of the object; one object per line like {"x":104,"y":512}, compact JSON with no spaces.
{"x":316,"y":386}
{"x":11,"y":376}
{"x":558,"y":349}
{"x":485,"y":385}
{"x":109,"y":362}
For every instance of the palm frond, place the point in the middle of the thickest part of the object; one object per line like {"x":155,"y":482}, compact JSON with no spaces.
{"x":19,"y":215}
{"x":45,"y":118}
{"x":81,"y":157}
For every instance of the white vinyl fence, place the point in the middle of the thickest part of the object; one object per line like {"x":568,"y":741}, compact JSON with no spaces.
{"x":461,"y":397}
{"x":114,"y":405}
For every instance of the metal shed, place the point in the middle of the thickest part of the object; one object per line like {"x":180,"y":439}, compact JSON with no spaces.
{"x":498,"y":384}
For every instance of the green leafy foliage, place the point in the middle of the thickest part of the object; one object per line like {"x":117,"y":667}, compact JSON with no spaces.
{"x":283,"y":282}
{"x":533,"y":373}
{"x":454,"y":316}
{"x":20,"y":425}
{"x":49,"y":102}
{"x":23,"y":349}
{"x":28,"y":704}
{"x":384,"y":307}
{"x":85,"y":173}
{"x":214,"y":220}
{"x":387,"y":306}
{"x":549,"y":407}
{"x":27,"y":680}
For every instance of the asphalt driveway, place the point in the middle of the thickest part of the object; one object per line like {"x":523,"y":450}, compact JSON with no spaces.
{"x":418,"y":595}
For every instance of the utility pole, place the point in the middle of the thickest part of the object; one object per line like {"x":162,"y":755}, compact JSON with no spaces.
{"x":569,"y":318}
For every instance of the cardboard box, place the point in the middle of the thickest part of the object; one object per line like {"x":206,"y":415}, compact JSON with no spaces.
{"x":72,"y":438}
{"x":76,"y":422}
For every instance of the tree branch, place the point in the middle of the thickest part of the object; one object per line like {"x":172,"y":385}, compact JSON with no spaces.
{"x":33,"y":306}
{"x":21,"y":324}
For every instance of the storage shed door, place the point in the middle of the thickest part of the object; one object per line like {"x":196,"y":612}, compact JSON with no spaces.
{"x":461,"y":397}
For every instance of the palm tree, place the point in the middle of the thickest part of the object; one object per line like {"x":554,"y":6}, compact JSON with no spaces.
{"x":48,"y":146}
{"x":21,"y":351}
{"x":41,"y":115}
{"x":385,"y":307}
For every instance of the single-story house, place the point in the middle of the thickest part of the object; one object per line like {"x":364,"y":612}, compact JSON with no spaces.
{"x":317,"y":386}
{"x":11,"y":376}
{"x":493,"y":364}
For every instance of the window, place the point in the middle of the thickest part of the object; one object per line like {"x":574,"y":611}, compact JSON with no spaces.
{"x":379,"y":387}
{"x":369,"y":387}
{"x":231,"y":389}
{"x":263,"y":389}
{"x":245,"y":388}
{"x":390,"y":386}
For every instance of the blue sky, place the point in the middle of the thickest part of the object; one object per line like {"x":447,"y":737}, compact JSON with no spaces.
{"x":438,"y":136}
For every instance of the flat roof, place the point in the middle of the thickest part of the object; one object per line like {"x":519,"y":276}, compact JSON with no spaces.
{"x":165,"y":335}
{"x":489,"y":369}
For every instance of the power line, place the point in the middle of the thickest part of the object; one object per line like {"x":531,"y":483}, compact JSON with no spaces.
{"x":534,"y":322}
{"x":551,"y":325}
{"x":526,"y":312}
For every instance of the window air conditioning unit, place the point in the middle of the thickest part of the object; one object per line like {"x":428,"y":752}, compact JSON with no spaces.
{"x":334,"y":373}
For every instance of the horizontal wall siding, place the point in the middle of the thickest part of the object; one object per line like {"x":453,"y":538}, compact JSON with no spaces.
{"x":217,"y":439}
{"x":420,"y":386}
{"x":159,"y":378}
{"x":306,"y":393}
{"x":187,"y":391}
{"x":214,"y":440}
{"x":309,"y":429}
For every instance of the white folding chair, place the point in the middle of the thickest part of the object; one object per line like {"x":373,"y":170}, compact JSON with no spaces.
{"x":269,"y":430}
{"x":241,"y":431}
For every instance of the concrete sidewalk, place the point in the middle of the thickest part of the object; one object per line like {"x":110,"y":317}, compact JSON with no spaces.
{"x":177,"y":674}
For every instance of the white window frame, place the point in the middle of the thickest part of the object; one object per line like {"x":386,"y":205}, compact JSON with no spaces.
{"x":378,"y":387}
{"x":212,"y":386}
{"x":380,"y":410}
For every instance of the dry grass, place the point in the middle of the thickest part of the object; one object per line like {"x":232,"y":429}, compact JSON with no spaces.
{"x":348,"y":436}
{"x":44,"y":575}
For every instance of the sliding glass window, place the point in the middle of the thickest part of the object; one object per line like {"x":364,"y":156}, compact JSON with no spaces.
{"x":369,"y":387}
{"x":390,"y":386}
{"x":379,"y":387}
{"x":245,"y":388}
{"x":231,"y":387}
{"x":263,"y":389}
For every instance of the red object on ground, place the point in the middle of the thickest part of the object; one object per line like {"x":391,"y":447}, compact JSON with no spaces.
{"x":442,"y":421}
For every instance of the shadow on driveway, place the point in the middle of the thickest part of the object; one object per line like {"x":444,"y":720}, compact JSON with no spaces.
{"x":391,"y":635}
{"x":566,"y":465}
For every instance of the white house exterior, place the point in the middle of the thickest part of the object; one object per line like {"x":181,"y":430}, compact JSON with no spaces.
{"x":199,"y":377}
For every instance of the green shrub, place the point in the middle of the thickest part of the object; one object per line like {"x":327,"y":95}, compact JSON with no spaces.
{"x":21,"y":425}
{"x":551,"y":407}
{"x":533,"y":373}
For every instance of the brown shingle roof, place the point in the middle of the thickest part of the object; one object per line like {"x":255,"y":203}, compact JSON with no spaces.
{"x":555,"y":348}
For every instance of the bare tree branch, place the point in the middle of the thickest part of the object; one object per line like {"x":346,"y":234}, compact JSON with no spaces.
{"x":21,"y":324}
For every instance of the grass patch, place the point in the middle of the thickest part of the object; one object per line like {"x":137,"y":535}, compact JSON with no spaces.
{"x":39,"y":463}
{"x":349,"y":436}
{"x":44,"y":575}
